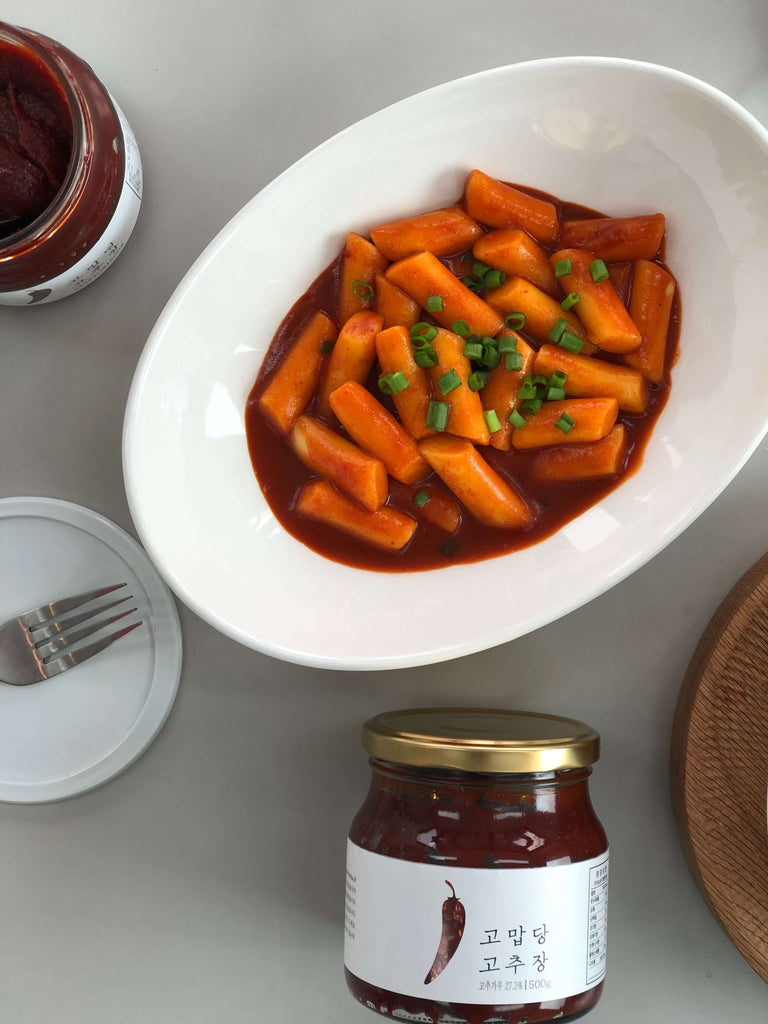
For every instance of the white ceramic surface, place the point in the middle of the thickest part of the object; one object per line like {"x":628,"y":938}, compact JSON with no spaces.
{"x":621,"y":136}
{"x":79,"y":729}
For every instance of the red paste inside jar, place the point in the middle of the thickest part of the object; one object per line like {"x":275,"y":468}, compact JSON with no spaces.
{"x":35,"y":137}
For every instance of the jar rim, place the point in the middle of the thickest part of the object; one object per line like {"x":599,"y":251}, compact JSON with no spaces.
{"x":38,"y":230}
{"x":486,"y":740}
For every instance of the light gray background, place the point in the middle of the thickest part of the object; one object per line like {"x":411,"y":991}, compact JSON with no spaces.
{"x":205,"y":884}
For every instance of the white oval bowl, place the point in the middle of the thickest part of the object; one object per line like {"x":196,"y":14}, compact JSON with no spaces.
{"x":621,"y":136}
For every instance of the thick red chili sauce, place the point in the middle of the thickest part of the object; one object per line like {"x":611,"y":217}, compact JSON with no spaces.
{"x":477,"y":821}
{"x":35,"y":137}
{"x":281,"y":473}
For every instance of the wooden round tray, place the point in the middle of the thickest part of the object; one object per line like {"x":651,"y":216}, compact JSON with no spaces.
{"x":719,"y":765}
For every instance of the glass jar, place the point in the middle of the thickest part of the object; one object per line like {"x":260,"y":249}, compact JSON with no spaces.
{"x":477,"y":871}
{"x":72,"y":182}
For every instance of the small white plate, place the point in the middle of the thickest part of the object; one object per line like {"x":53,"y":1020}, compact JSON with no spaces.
{"x":83,"y":727}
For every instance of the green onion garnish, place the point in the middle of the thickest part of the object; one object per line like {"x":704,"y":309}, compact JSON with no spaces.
{"x":473,"y":350}
{"x":494,"y":278}
{"x":492,"y":420}
{"x":516,"y":419}
{"x":562,"y":267}
{"x":477,"y":380}
{"x":327,"y":346}
{"x":362,"y":290}
{"x":434,"y":303}
{"x":565,"y":423}
{"x":532,"y":405}
{"x":471,"y":283}
{"x":420,"y":499}
{"x":539,"y":378}
{"x":569,"y":301}
{"x":507,"y":344}
{"x":449,"y":382}
{"x":555,"y":394}
{"x":425,"y":357}
{"x":557,"y":330}
{"x":480,"y":269}
{"x":490,"y":341}
{"x":599,"y":271}
{"x":437,"y":415}
{"x":450,"y":547}
{"x":570,"y":342}
{"x":461,"y":327}
{"x":558,"y":379}
{"x":393,"y":383}
{"x":513,"y":361}
{"x":491,"y":357}
{"x":527,"y":389}
{"x":515,"y":320}
{"x":423,"y":332}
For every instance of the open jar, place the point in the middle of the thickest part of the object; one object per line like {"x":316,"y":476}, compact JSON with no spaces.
{"x":477,"y":870}
{"x":71,"y":186}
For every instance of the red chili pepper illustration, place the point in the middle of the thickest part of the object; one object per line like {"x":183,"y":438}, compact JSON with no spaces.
{"x":454,"y":918}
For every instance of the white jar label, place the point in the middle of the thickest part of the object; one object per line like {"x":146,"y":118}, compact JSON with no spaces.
{"x":107,"y":248}
{"x":508,"y":935}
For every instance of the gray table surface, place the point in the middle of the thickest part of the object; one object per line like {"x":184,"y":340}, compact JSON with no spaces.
{"x":205,"y":884}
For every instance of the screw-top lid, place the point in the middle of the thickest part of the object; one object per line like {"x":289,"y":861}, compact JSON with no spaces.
{"x":481,"y":740}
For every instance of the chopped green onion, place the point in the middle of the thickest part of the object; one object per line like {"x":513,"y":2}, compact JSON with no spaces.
{"x":471,"y":283}
{"x":556,"y":332}
{"x":555,"y":394}
{"x":434,"y":303}
{"x":473,"y":350}
{"x":425,"y":357}
{"x":566,"y":423}
{"x":516,"y":419}
{"x":494,"y":278}
{"x":569,"y":301}
{"x":423,"y":332}
{"x":599,"y":271}
{"x":362,"y":290}
{"x":507,"y":345}
{"x":327,"y":346}
{"x":492,"y":420}
{"x":491,"y":357}
{"x":539,"y":378}
{"x":562,"y":267}
{"x":515,"y":320}
{"x":420,"y":499}
{"x":513,"y":361}
{"x":477,"y":380}
{"x":449,"y":382}
{"x":558,"y":379}
{"x":480,"y":269}
{"x":461,"y":327}
{"x":393,"y":383}
{"x":570,"y":342}
{"x":450,"y":547}
{"x":532,"y":405}
{"x":527,"y":389}
{"x":437,"y":415}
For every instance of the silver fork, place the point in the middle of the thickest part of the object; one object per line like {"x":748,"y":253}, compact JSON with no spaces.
{"x":35,"y":645}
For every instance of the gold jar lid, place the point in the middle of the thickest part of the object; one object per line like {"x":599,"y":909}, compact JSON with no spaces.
{"x":481,"y":740}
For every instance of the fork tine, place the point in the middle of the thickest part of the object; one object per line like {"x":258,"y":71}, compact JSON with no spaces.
{"x":72,"y":658}
{"x":51,"y":646}
{"x":66,"y":604}
{"x":50,"y":630}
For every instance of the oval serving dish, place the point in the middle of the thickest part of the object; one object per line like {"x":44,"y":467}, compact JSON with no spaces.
{"x":619,"y":135}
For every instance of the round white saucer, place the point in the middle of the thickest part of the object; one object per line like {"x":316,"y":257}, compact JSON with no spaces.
{"x":83,"y":727}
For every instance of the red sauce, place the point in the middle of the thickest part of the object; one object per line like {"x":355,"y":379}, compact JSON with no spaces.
{"x":471,"y":820}
{"x":281,"y":473}
{"x":35,"y":137}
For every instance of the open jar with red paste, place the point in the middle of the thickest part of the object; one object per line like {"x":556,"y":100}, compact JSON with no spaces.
{"x":477,"y":870}
{"x":70,"y":171}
